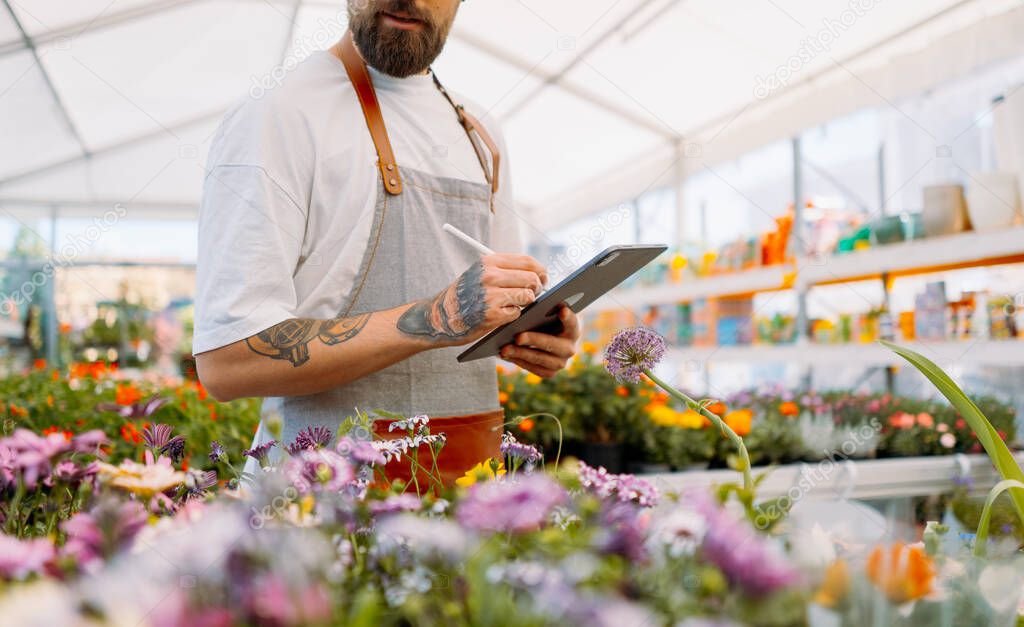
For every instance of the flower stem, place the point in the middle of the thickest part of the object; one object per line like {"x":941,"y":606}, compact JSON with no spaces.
{"x":748,"y":480}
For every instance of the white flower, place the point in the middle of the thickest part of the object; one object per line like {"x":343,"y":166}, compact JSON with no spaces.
{"x":948,"y":440}
{"x":813,"y":551}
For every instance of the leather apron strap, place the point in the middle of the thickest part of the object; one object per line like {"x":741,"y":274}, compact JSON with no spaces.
{"x":355,"y":67}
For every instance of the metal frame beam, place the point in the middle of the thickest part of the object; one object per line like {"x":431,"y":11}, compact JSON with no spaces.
{"x":499,"y":53}
{"x":30,"y":45}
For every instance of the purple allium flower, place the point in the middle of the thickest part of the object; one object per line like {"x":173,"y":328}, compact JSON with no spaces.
{"x":156,"y":436}
{"x":142,"y":409}
{"x":217,"y":452}
{"x":511,"y":506}
{"x":632,"y":351}
{"x":315,"y":437}
{"x":396,"y":503}
{"x":318,"y":469}
{"x":174,"y":448}
{"x":517,"y":451}
{"x":625,"y":488}
{"x":21,"y":558}
{"x":746,"y":559}
{"x":102,"y":532}
{"x":261,"y":453}
{"x":361,"y":451}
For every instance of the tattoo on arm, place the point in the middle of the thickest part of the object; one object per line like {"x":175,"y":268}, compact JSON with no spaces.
{"x":290,"y":339}
{"x":455,"y":312}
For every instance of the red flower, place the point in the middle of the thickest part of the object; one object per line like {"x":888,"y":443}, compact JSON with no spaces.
{"x":39,"y":364}
{"x":526,"y":425}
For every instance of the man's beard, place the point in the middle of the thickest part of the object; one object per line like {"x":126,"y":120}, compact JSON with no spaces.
{"x":391,"y":50}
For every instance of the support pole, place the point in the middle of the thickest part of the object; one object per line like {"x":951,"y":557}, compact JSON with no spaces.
{"x":50,"y":330}
{"x":799,"y":250}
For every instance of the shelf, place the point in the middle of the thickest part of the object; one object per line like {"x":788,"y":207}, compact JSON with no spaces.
{"x":764,"y":279}
{"x":937,"y":254}
{"x":987,"y":352}
{"x":871,"y":478}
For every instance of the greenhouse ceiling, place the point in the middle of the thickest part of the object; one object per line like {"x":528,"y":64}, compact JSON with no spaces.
{"x":115,"y":101}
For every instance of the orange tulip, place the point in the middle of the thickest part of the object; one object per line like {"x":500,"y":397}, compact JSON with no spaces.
{"x":902,"y":572}
{"x":789,"y":408}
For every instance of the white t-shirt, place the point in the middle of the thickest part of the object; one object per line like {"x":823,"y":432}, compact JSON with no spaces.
{"x":290,"y":190}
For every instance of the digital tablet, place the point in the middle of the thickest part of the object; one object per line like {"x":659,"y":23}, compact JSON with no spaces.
{"x":595,"y":278}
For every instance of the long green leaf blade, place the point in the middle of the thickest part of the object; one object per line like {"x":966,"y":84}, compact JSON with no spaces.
{"x":997,"y":450}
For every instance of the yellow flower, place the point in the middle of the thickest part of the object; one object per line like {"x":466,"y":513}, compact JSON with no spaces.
{"x":142,"y":479}
{"x":835,"y":586}
{"x":533,"y":379}
{"x":588,"y":348}
{"x":484,"y":471}
{"x":690,"y":419}
{"x":663,"y":415}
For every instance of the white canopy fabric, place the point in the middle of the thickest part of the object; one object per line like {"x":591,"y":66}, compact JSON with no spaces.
{"x":115,"y":101}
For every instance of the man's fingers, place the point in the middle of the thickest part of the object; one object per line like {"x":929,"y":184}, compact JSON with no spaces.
{"x":570,"y":323}
{"x":518,"y":296}
{"x":556,"y":345}
{"x":535,"y":357}
{"x":535,"y":369}
{"x":515,"y":278}
{"x":517,"y":262}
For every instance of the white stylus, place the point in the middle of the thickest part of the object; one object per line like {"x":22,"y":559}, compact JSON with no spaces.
{"x":483,"y":250}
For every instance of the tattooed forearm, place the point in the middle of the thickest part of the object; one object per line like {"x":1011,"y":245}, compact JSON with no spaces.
{"x":290,"y":339}
{"x":455,"y":312}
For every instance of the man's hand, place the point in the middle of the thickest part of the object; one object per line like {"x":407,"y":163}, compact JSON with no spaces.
{"x":490,"y":293}
{"x":544,"y":354}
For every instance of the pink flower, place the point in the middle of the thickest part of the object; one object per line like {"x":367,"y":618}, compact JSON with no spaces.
{"x":948,"y":440}
{"x":925,"y":420}
{"x":21,"y":558}
{"x":942,"y":427}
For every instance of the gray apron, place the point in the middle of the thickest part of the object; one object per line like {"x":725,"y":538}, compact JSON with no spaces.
{"x":408,"y":258}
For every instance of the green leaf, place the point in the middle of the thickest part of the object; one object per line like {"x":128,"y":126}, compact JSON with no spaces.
{"x":986,"y":513}
{"x":997,"y":450}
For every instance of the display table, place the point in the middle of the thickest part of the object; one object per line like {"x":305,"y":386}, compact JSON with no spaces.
{"x":862,"y":479}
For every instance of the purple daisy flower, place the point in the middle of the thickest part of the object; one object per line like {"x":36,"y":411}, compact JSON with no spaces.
{"x":745,"y":558}
{"x":261,"y":453}
{"x":157,"y":436}
{"x":102,"y":532}
{"x":197,"y":482}
{"x":21,"y":558}
{"x":511,"y":506}
{"x":317,"y":436}
{"x":624,"y":528}
{"x":360,"y":451}
{"x":142,"y":409}
{"x":631,"y":352}
{"x":396,"y":504}
{"x":318,"y":469}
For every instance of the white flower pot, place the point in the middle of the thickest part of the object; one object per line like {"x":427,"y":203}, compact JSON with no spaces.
{"x":993,"y":200}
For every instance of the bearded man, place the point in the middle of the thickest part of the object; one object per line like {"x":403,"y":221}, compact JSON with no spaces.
{"x":325,"y":283}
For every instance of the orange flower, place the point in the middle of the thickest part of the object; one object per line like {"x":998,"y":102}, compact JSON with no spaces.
{"x":64,"y":328}
{"x":588,"y":348}
{"x":39,"y":364}
{"x":55,"y":375}
{"x":499,"y":369}
{"x":127,"y":394}
{"x":18,"y":412}
{"x":902,"y":572}
{"x":213,"y":411}
{"x":130,"y":434}
{"x":526,"y":425}
{"x":835,"y":586}
{"x":49,"y":430}
{"x":503,"y":397}
{"x":622,"y":391}
{"x":789,"y":408}
{"x":739,"y":421}
{"x":925,"y":420}
{"x":49,"y":400}
{"x":717,"y":408}
{"x":201,"y":391}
